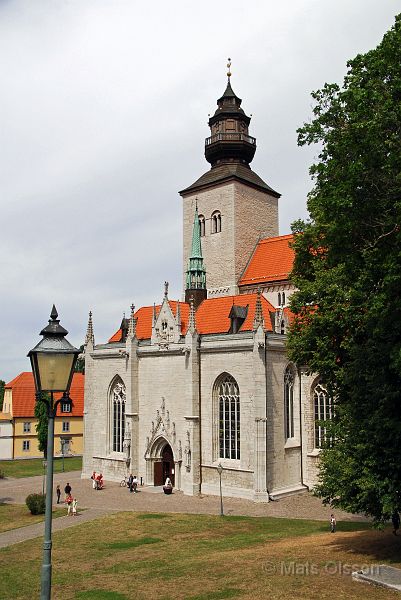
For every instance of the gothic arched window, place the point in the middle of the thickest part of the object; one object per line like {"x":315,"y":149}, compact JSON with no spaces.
{"x":216,"y":222}
{"x":323,"y":412}
{"x":279,"y":299}
{"x":117,"y":414}
{"x":228,"y":402}
{"x":202,"y":225}
{"x":283,"y":298}
{"x":288,"y":403}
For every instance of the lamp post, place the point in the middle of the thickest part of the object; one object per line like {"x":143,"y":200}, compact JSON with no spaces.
{"x":220,"y":470}
{"x":53,"y":360}
{"x":62,"y":441}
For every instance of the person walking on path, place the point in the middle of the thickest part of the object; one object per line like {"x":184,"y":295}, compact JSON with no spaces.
{"x":130,"y":482}
{"x":135,"y":483}
{"x":395,"y":518}
{"x":74,"y":507}
{"x":333,"y":523}
{"x":67,"y":490}
{"x":58,"y":493}
{"x":69,"y":501}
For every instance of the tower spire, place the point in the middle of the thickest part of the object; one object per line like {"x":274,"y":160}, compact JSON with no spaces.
{"x":196,"y":272}
{"x":90,"y":338}
{"x":132,"y":323}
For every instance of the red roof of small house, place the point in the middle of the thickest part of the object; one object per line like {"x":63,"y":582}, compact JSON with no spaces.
{"x":212,"y":316}
{"x":272,"y":261}
{"x":23,"y":395}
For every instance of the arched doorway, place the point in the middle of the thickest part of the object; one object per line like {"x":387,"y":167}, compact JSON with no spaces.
{"x":164,"y":467}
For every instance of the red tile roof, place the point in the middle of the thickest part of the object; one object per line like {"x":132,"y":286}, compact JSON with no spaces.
{"x":272,"y":261}
{"x":23,"y":395}
{"x":212,"y":316}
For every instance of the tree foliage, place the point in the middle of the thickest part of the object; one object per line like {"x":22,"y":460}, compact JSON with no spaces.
{"x":80,"y":364}
{"x":42,"y":425}
{"x":347,"y":269}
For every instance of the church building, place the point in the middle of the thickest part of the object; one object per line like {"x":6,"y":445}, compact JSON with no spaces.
{"x":188,"y":385}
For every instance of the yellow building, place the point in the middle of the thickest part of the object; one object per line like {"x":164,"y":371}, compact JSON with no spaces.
{"x":18,"y":437}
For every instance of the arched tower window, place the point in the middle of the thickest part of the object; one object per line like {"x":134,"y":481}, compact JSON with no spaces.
{"x":323,"y":412}
{"x":227,"y":398}
{"x":283,"y":298}
{"x":289,"y":403}
{"x":202,"y":225}
{"x":279,"y":299}
{"x":216,"y":222}
{"x":117,"y":414}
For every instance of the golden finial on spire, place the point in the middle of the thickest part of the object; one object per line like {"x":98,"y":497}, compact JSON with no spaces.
{"x":229,"y":68}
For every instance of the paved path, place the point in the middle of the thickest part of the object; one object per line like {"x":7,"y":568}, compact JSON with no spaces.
{"x":113,"y":498}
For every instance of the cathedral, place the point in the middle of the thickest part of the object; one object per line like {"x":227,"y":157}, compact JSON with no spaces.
{"x":185,"y":387}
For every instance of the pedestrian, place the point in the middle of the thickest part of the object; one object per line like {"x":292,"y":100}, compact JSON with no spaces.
{"x":94,"y":481}
{"x":135,"y":483}
{"x":69,"y":501}
{"x":395,"y":517}
{"x":58,"y":493}
{"x":74,"y":507}
{"x":130,"y":482}
{"x":67,"y":490}
{"x":333,"y":523}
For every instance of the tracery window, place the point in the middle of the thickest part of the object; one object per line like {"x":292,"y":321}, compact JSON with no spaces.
{"x":216,"y":222}
{"x":118,"y":398}
{"x":228,"y":400}
{"x":324,"y":411}
{"x":202,"y":225}
{"x":289,"y":403}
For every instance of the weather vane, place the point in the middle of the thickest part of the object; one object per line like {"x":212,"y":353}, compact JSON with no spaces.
{"x":229,"y":68}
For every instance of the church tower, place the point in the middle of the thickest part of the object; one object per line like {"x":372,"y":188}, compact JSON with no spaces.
{"x":235,"y":206}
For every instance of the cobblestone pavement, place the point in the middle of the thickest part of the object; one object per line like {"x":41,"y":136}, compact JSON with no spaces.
{"x":113,"y":498}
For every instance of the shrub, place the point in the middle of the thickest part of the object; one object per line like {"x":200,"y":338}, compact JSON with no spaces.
{"x":36,"y":503}
{"x":2,"y":475}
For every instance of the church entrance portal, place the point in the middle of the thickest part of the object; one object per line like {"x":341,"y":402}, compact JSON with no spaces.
{"x":165,"y":467}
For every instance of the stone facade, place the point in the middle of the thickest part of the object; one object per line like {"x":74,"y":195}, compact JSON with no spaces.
{"x":247,"y":214}
{"x":155,"y":399}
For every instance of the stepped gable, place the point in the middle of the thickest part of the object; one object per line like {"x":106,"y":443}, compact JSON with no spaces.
{"x":272,"y":261}
{"x":212,"y":316}
{"x":144,"y":316}
{"x":24,"y":399}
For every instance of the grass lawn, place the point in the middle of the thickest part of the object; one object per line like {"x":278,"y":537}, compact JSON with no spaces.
{"x":13,"y":516}
{"x":34,"y":466}
{"x":201,"y":557}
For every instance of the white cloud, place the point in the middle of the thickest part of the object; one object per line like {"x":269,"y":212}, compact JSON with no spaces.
{"x":103,"y":115}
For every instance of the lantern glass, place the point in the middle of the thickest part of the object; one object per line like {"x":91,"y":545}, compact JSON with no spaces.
{"x":54,"y":370}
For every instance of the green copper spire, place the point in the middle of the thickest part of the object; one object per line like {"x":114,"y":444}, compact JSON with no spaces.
{"x":196,"y":273}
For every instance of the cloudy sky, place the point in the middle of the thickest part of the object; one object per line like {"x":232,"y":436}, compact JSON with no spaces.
{"x":103,"y":114}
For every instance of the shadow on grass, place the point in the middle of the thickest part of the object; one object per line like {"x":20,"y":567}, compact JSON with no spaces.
{"x":100,"y":595}
{"x":375,"y":545}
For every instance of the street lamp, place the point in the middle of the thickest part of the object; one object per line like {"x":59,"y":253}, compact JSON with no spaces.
{"x":53,"y":360}
{"x":62,"y":442}
{"x":220,"y":470}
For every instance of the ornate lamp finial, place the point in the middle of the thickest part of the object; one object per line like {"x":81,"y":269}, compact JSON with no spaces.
{"x":165,"y":289}
{"x":229,"y":68}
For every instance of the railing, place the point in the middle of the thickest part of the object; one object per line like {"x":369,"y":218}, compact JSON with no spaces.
{"x":230,"y":137}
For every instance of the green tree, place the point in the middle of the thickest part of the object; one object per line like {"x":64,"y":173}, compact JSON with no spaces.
{"x":2,"y":385}
{"x":347,"y":269}
{"x":41,"y":426}
{"x":80,"y":364}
